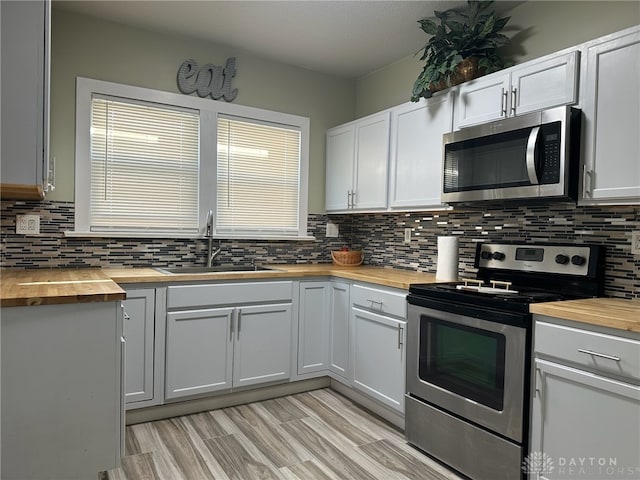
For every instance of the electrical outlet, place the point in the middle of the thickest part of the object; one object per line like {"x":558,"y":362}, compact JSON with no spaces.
{"x":28,"y":224}
{"x":332,"y":230}
{"x":635,"y":242}
{"x":407,"y":235}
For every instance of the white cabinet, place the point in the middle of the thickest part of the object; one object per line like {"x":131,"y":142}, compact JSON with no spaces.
{"x":139,"y":332}
{"x":25,"y":71}
{"x":313,"y":327}
{"x":415,"y":175}
{"x":62,"y":396}
{"x":357,"y":164}
{"x":543,"y":83}
{"x":227,"y":336}
{"x":378,"y":331}
{"x":339,"y":329}
{"x":586,"y":401}
{"x":611,"y":106}
{"x":199,"y":352}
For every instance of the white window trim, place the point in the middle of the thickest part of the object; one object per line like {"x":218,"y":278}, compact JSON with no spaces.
{"x":209,"y":111}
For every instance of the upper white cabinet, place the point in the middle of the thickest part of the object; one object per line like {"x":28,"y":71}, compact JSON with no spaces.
{"x":543,"y":83}
{"x":611,"y":106}
{"x":415,"y":175}
{"x":357,"y":162}
{"x":24,"y":107}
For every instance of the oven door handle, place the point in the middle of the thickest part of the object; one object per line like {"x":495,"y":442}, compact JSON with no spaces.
{"x":531,"y":155}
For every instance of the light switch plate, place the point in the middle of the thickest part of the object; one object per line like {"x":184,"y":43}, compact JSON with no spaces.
{"x":635,"y":242}
{"x":27,"y":224}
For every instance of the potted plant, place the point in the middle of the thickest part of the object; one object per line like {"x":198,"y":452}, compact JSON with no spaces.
{"x":462,"y":47}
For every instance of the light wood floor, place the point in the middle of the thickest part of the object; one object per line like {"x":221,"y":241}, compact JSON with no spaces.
{"x":316,"y":435}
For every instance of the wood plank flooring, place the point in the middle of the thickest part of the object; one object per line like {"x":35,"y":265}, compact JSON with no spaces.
{"x":318,"y":435}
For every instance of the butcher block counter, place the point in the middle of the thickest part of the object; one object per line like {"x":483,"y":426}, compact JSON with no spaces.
{"x":59,"y":286}
{"x":56,"y":286}
{"x":615,"y":313}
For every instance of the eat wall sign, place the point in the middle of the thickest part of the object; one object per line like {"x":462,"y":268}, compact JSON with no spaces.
{"x":210,"y":80}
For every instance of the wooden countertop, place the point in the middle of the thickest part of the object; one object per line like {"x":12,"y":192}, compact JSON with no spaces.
{"x":607,"y":312}
{"x":388,"y":277}
{"x":56,"y":286}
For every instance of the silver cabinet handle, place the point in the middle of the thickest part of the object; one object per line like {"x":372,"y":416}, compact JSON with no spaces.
{"x":126,"y":316}
{"x":597,"y":354}
{"x":587,"y":185}
{"x":349,"y":193}
{"x":353,"y":198}
{"x":514,"y":98}
{"x":503,"y":103}
{"x":375,"y":302}
{"x":400,"y":329}
{"x":231,"y":326}
{"x":531,"y":155}
{"x":239,"y":325}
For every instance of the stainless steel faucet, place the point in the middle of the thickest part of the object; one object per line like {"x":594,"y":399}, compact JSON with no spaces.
{"x":211,"y":254}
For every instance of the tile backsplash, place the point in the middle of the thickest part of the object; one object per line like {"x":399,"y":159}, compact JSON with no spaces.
{"x":381,"y":236}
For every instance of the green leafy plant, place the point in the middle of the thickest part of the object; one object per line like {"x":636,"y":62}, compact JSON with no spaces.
{"x":470,"y":34}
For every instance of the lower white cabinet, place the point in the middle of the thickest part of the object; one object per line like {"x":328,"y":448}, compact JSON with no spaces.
{"x":62,"y":392}
{"x":339,"y":329}
{"x":586,"y":406}
{"x":213,"y":343}
{"x":378,"y":353}
{"x":313,"y":327}
{"x":139,"y":332}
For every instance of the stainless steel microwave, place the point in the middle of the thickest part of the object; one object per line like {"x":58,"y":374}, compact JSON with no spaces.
{"x":532,"y":156}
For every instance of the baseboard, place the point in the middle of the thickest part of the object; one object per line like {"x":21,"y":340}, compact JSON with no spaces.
{"x":189,"y":407}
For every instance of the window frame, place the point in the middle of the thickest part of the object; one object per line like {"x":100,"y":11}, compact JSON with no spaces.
{"x":209,"y":111}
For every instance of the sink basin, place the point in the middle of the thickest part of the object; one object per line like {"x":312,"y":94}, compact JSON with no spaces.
{"x":214,"y":269}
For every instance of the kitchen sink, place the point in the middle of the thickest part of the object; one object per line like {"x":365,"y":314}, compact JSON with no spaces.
{"x":214,"y":269}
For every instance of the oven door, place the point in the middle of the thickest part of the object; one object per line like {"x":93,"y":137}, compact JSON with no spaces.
{"x":473,"y":366}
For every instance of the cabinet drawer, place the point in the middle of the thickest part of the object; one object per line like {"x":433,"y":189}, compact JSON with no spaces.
{"x":598,"y":351}
{"x":382,"y":301}
{"x":192,"y":296}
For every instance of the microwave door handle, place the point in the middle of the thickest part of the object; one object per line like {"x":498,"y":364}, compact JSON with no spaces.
{"x":531,"y":155}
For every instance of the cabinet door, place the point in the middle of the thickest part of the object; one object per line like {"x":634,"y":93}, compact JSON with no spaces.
{"x":372,"y":159}
{"x":416,"y":151}
{"x":482,"y":100}
{"x":199,"y":352}
{"x":579,"y":415}
{"x":378,"y":358}
{"x":24,"y":46}
{"x":612,"y":122}
{"x":339,"y":331}
{"x":544,"y":84}
{"x":313,"y":330}
{"x":139,"y":324}
{"x":339,"y":170}
{"x":262,"y":351}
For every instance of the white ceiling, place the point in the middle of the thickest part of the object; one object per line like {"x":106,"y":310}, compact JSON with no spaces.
{"x":344,"y":38}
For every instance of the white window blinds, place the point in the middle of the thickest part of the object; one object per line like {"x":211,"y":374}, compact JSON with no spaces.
{"x":258,"y":178}
{"x":144,"y":166}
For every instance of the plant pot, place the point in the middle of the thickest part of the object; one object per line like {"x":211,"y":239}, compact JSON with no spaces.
{"x":466,"y":70}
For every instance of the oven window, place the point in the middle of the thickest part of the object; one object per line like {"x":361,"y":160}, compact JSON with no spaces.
{"x":463,"y":360}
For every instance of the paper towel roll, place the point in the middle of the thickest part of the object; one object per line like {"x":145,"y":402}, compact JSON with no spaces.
{"x":447,"y":267}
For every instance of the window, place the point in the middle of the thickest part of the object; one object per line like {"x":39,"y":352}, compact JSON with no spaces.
{"x":258,"y":172}
{"x":144,"y":166}
{"x":153,"y":164}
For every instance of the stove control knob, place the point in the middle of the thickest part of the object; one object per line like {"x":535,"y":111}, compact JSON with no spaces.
{"x":485,"y":255}
{"x":578,"y":260}
{"x":562,"y":259}
{"x":498,"y":256}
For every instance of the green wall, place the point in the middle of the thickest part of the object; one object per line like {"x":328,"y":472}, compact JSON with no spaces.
{"x":539,"y":28}
{"x":89,"y":47}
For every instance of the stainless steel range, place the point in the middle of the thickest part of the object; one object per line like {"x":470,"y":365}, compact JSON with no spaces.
{"x":469,"y":353}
